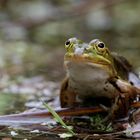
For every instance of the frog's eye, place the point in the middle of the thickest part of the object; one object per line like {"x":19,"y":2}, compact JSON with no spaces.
{"x":101,"y":45}
{"x":67,"y":42}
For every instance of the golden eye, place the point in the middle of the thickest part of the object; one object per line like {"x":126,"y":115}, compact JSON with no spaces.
{"x":70,"y":42}
{"x":67,"y":43}
{"x":101,"y":45}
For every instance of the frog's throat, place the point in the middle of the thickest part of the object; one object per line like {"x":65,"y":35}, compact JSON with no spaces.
{"x":102,"y":63}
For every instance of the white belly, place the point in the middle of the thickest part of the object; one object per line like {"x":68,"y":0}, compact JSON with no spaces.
{"x":89,"y":80}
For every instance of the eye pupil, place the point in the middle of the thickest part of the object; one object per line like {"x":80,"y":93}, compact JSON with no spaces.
{"x":67,"y":42}
{"x":101,"y":45}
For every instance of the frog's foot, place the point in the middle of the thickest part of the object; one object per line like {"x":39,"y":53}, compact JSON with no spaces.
{"x":110,"y":110}
{"x":109,"y":118}
{"x":119,"y":108}
{"x":105,"y":108}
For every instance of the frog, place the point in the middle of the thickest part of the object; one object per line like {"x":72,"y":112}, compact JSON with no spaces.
{"x":95,"y":74}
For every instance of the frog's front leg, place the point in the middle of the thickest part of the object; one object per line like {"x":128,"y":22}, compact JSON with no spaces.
{"x":67,"y":96}
{"x":119,"y":108}
{"x":125,"y":95}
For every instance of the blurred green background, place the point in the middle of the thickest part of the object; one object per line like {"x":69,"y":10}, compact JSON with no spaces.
{"x":32,"y":37}
{"x":33,"y":32}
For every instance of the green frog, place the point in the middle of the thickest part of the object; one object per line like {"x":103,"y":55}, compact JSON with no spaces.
{"x":94,"y":74}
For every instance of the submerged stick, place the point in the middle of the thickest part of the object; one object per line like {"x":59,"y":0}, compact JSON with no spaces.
{"x":38,"y":117}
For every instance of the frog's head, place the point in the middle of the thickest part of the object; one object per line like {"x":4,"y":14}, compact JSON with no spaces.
{"x":99,"y":53}
{"x":72,"y":46}
{"x":95,"y":54}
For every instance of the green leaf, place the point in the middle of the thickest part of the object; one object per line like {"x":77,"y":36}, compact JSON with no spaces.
{"x":58,"y":118}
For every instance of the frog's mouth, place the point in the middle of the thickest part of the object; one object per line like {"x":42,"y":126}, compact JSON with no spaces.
{"x":87,"y":59}
{"x":87,"y":62}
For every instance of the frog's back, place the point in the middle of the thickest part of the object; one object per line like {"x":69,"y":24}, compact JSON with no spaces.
{"x":125,"y":69}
